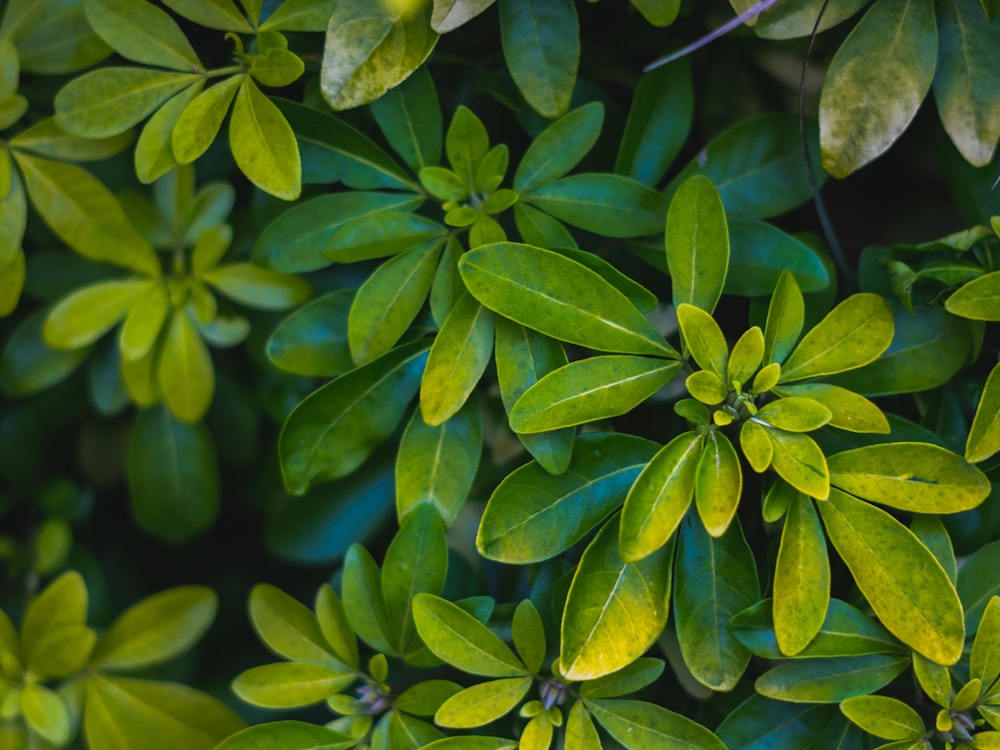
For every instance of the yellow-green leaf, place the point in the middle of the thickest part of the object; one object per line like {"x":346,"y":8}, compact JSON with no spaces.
{"x":88,"y":313}
{"x":143,"y":33}
{"x":482,"y":703}
{"x":185,"y":369}
{"x":979,"y":299}
{"x":263,"y":144}
{"x":801,"y":578}
{"x":984,"y":435}
{"x":795,"y":414}
{"x":848,"y":410}
{"x":697,"y":241}
{"x":903,"y":582}
{"x":756,"y":445}
{"x":705,"y":340}
{"x":800,"y":462}
{"x":718,"y":483}
{"x":659,"y":497}
{"x":197,"y":125}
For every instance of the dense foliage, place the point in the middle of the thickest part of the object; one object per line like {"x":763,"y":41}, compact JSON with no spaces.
{"x":529,"y":400}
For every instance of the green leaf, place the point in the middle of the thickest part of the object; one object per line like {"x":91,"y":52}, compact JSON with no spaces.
{"x":745,"y":357}
{"x":606,"y":204}
{"x":559,"y":148}
{"x":29,"y":365}
{"x":288,"y":735}
{"x":90,"y":312}
{"x":467,"y":143}
{"x":277,"y":67}
{"x":984,"y":662}
{"x":256,"y":287}
{"x":61,"y":42}
{"x":705,"y":340}
{"x":907,"y":588}
{"x":185,"y":369}
{"x":846,"y":631}
{"x":222,"y":15}
{"x":156,"y":629}
{"x":533,"y":515}
{"x":523,"y":356}
{"x":760,"y":723}
{"x":884,"y":717}
{"x":580,"y":732}
{"x":800,"y":462}
{"x":529,"y":635}
{"x":640,"y":296}
{"x":789,"y":21}
{"x":289,"y":685}
{"x":853,"y":334}
{"x":558,"y":297}
{"x":760,"y":253}
{"x":333,"y":622}
{"x":389,"y":300}
{"x":451,"y":14}
{"x":801,"y":579}
{"x":758,"y":450}
{"x":173,"y":476}
{"x":409,"y":117}
{"x":370,"y":48}
{"x":928,"y":347}
{"x":658,"y":123}
{"x":966,"y":82}
{"x":785,"y":318}
{"x":849,"y":411}
{"x":829,"y":680}
{"x":916,"y":477}
{"x":638,"y":725}
{"x":615,"y":610}
{"x":459,"y":639}
{"x":263,"y":144}
{"x":364,"y":602}
{"x":984,"y":435}
{"x":288,"y":628}
{"x":46,"y":138}
{"x":757,"y":166}
{"x":659,"y":497}
{"x":436,"y":465}
{"x":482,"y":703}
{"x":540,"y":229}
{"x":718,"y":483}
{"x":108,"y":101}
{"x":332,"y":431}
{"x":85,"y":215}
{"x":697,"y":241}
{"x":166,"y":715}
{"x":794,"y":414}
{"x":876,"y":82}
{"x":706,"y":387}
{"x":631,"y":679}
{"x":331,"y":150}
{"x":933,"y":535}
{"x":424,"y":698}
{"x":378,"y":235}
{"x":45,"y":713}
{"x":55,"y":641}
{"x":142,"y":33}
{"x":468,"y":742}
{"x":154,"y":152}
{"x":979,"y":299}
{"x":198,"y":124}
{"x":457,"y":360}
{"x":415,"y":562}
{"x":590,"y":389}
{"x":313,"y":339}
{"x":541,"y":45}
{"x":296,"y":241}
{"x":715,"y":578}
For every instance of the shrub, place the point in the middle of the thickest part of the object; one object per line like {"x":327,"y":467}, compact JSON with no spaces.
{"x":545,"y":382}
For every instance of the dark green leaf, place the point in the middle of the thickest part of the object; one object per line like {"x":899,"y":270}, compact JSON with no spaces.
{"x":761,"y":723}
{"x":606,"y":204}
{"x":760,"y":253}
{"x":436,"y":465}
{"x":410,"y":118}
{"x":542,"y":48}
{"x":829,"y":680}
{"x":173,"y":476}
{"x":658,"y":123}
{"x":559,"y":147}
{"x":645,"y":726}
{"x":333,"y":430}
{"x":142,"y":33}
{"x":533,"y":515}
{"x":313,"y":339}
{"x":715,"y":579}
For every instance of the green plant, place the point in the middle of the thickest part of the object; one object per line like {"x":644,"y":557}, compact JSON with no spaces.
{"x":561,"y":446}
